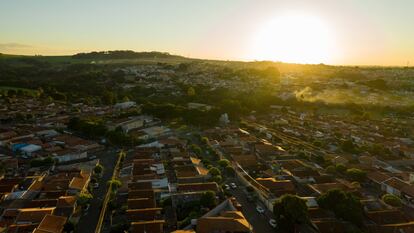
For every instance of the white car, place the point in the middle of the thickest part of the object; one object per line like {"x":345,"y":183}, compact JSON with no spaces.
{"x":273,"y":223}
{"x":226,"y":187}
{"x":260,"y":209}
{"x":233,"y":185}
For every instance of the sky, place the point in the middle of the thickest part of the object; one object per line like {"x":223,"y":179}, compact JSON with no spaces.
{"x":339,"y":32}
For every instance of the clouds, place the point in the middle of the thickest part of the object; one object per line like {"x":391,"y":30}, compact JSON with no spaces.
{"x":12,"y":46}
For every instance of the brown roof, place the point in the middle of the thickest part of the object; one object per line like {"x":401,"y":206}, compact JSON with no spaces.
{"x":41,"y":203}
{"x":392,"y":228}
{"x":66,"y":201}
{"x":51,"y":224}
{"x":396,"y":183}
{"x":197,"y":187}
{"x":21,"y":228}
{"x":378,"y":177}
{"x":155,"y":226}
{"x":33,"y":215}
{"x":143,"y":214}
{"x":277,"y":187}
{"x":139,"y":185}
{"x":230,"y":221}
{"x":330,"y":226}
{"x":148,"y":193}
{"x":323,"y":188}
{"x":80,"y":182}
{"x":141,"y":203}
{"x":387,"y":216}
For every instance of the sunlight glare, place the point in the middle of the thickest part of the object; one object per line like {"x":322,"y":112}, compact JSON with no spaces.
{"x":296,"y":38}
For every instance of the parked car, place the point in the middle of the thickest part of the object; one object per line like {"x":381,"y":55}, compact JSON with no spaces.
{"x":226,"y":187}
{"x":273,"y":223}
{"x":233,"y":185}
{"x":260,"y":209}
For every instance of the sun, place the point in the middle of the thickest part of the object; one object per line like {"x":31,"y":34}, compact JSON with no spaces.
{"x":296,"y":38}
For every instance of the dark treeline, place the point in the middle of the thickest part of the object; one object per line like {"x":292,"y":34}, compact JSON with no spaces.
{"x":123,"y":54}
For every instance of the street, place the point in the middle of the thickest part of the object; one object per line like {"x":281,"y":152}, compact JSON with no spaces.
{"x":88,"y":222}
{"x":260,"y":222}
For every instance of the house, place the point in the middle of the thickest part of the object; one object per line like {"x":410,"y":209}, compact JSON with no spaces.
{"x":325,"y":187}
{"x":125,"y":105}
{"x":51,"y":224}
{"x":377,"y":178}
{"x":129,"y":124}
{"x":228,"y":221}
{"x":198,"y":187}
{"x":301,"y":172}
{"x":65,"y":206}
{"x":141,"y":203}
{"x":147,"y":214}
{"x":67,"y":155}
{"x":32,"y":215}
{"x":277,"y":187}
{"x":199,"y":106}
{"x":384,"y":217}
{"x":400,"y":188}
{"x":330,"y":226}
{"x":79,"y":183}
{"x":153,"y":226}
{"x":245,"y":160}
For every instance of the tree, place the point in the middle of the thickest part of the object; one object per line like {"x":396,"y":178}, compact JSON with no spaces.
{"x":114,"y":184}
{"x":84,"y":198}
{"x":330,"y":169}
{"x":392,"y":200}
{"x":356,"y":174}
{"x":224,"y":163}
{"x":217,"y":178}
{"x":349,"y":146}
{"x":214,"y":171}
{"x":98,"y":169}
{"x":204,"y":140}
{"x":290,"y":210}
{"x":344,"y":204}
{"x":340,"y":168}
{"x":191,"y":91}
{"x":229,"y":170}
{"x":208,"y":199}
{"x":196,"y":149}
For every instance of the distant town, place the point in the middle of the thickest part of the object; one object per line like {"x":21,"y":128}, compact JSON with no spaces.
{"x":150,"y":142}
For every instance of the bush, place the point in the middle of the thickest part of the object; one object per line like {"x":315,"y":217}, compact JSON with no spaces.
{"x":208,"y":199}
{"x":330,"y":169}
{"x":224,"y":163}
{"x":392,"y":200}
{"x":115,"y":184}
{"x":214,"y":171}
{"x":84,"y":198}
{"x":98,"y":169}
{"x":340,"y":168}
{"x":355,"y":174}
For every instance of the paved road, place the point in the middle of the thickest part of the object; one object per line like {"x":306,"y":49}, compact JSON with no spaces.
{"x":88,"y":222}
{"x":260,"y":222}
